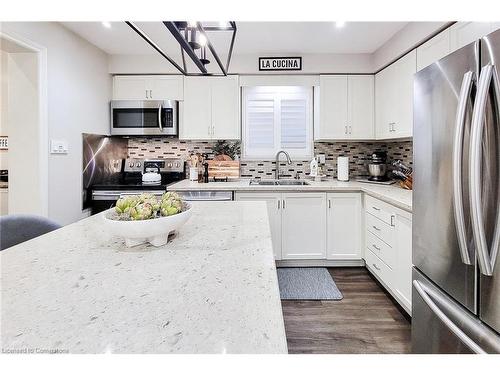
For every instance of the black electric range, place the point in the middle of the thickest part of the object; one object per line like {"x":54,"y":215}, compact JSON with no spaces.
{"x":129,"y":181}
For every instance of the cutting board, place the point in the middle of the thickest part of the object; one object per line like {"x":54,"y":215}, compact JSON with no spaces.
{"x":223,"y":169}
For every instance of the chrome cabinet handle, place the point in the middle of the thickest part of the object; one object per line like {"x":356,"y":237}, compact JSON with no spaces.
{"x":279,"y":203}
{"x":283,"y":204}
{"x":421,"y":290}
{"x":159,"y":118}
{"x":392,"y":220}
{"x":376,"y":208}
{"x":329,"y":203}
{"x":374,"y":227}
{"x":345,"y":131}
{"x":486,"y":261}
{"x":209,"y":130}
{"x":375,"y":247}
{"x":350,"y":129}
{"x":375,"y":266}
{"x":458,"y":207}
{"x":150,"y":94}
{"x":147,"y":94}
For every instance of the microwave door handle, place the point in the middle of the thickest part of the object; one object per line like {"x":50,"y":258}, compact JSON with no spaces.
{"x":458,"y":207}
{"x":485,"y":259}
{"x":159,"y":118}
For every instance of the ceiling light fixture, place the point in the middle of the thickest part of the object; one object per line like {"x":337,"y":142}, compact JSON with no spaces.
{"x":106,"y":24}
{"x":340,"y":24}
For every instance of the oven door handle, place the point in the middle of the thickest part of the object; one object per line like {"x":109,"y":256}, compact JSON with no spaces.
{"x":159,"y":118}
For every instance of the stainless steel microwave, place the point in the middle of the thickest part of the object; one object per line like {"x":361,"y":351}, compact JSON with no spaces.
{"x":140,"y":117}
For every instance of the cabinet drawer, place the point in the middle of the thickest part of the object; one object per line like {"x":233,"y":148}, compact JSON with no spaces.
{"x":381,"y":249}
{"x":379,"y":209}
{"x":378,"y":268}
{"x":380,"y":229}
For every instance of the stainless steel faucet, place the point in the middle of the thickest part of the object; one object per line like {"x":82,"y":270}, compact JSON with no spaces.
{"x":288,"y":160}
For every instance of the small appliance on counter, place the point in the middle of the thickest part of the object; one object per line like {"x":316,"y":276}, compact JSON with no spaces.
{"x":343,"y":168}
{"x":377,"y":168}
{"x":137,"y":176}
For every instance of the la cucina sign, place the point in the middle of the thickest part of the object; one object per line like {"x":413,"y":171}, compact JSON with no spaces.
{"x":280,"y":63}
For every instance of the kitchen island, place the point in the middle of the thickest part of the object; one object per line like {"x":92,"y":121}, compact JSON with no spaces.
{"x":212,"y":289}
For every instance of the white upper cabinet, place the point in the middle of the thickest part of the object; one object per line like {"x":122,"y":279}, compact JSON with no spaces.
{"x":394,"y":98}
{"x":344,"y":226}
{"x":463,"y":33}
{"x":211,"y":108}
{"x":143,"y":87}
{"x":197,"y":109}
{"x":433,"y":50}
{"x":333,"y":108}
{"x":361,"y":106}
{"x":225,"y":108}
{"x":346,"y":107}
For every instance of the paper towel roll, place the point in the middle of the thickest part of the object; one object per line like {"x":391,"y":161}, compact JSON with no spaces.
{"x":343,"y":168}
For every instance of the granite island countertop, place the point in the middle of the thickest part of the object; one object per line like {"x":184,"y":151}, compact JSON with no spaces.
{"x":391,"y":194}
{"x":212,"y":289}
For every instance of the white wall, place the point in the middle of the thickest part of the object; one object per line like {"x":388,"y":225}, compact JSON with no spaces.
{"x":4,"y":128}
{"x":78,"y":90}
{"x":405,"y":40}
{"x":245,"y":64}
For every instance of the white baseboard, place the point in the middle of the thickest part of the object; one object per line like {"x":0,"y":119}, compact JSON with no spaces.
{"x":320,"y":263}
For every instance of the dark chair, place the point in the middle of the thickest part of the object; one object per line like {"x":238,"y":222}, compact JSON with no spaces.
{"x":15,"y":229}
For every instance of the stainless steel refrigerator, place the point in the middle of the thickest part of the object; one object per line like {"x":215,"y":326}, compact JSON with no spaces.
{"x":456,"y":202}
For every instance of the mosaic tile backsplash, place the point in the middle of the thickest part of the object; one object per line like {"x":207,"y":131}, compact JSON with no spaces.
{"x":358,"y":152}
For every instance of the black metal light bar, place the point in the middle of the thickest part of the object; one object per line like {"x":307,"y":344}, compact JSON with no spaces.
{"x":230,"y":54}
{"x":155,"y":46}
{"x":172,"y":27}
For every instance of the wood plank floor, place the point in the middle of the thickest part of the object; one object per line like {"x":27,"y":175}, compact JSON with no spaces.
{"x":366,"y":320}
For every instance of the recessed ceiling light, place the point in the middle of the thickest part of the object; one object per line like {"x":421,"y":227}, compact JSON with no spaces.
{"x":106,"y":24}
{"x":340,"y":24}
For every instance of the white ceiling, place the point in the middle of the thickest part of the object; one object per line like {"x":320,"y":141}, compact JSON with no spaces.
{"x":251,"y":37}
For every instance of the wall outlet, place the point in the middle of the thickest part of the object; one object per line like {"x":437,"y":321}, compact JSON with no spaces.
{"x":321,"y":158}
{"x":58,"y":146}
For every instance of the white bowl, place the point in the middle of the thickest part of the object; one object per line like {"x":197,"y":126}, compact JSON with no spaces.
{"x":154,"y":231}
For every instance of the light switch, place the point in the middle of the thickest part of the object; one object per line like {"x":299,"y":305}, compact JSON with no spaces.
{"x":58,"y":146}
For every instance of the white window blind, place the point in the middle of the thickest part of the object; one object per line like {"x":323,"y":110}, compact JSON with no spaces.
{"x":277,"y":118}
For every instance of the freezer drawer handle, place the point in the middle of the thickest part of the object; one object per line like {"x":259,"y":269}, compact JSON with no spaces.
{"x":458,"y":208}
{"x":446,"y":321}
{"x":485,"y":259}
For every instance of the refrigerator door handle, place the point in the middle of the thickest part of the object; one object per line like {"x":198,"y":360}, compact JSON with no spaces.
{"x":485,"y":260}
{"x":458,"y":208}
{"x":420,"y":288}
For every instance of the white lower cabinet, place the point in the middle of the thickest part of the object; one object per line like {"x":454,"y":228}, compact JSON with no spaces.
{"x":403,"y":279}
{"x":303,"y":223}
{"x":388,"y":248}
{"x":297,"y":222}
{"x":273,"y":201}
{"x":344,"y":224}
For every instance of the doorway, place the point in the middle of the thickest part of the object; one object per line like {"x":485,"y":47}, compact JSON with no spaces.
{"x":23,"y":124}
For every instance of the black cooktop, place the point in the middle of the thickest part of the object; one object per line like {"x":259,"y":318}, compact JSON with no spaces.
{"x":134,"y":182}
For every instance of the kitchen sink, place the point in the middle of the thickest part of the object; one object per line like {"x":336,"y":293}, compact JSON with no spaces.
{"x":279,"y":182}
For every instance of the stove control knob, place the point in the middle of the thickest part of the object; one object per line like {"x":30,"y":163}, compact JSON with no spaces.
{"x":177,"y":165}
{"x":169,"y":165}
{"x":131,"y":165}
{"x":138,"y":165}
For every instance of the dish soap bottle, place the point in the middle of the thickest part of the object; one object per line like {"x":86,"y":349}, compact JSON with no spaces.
{"x":314,"y":167}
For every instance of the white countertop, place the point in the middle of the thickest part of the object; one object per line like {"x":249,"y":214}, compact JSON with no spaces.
{"x":212,"y":289}
{"x":391,"y":194}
